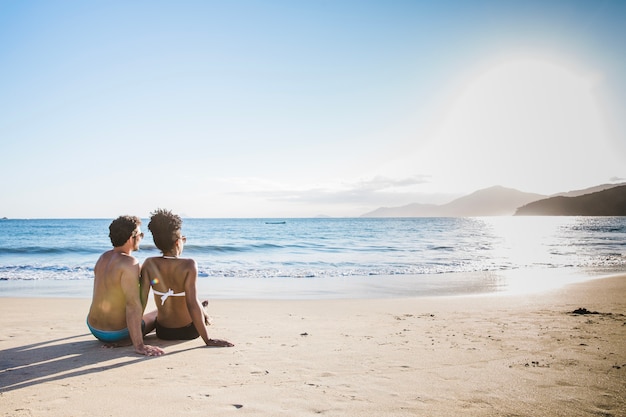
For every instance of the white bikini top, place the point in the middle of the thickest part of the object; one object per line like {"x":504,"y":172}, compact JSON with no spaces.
{"x":169,"y":293}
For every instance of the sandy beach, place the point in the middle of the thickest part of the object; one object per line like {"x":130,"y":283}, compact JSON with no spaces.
{"x":513,"y":355}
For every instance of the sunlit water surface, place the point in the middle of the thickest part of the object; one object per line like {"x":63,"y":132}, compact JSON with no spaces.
{"x":331,"y":258}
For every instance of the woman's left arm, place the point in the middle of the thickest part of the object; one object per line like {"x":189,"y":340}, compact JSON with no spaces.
{"x":195,"y":309}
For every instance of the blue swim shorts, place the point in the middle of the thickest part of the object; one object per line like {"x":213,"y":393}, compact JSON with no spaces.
{"x":110,"y":336}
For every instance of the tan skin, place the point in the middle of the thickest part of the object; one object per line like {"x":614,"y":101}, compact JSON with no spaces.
{"x":180,"y":275}
{"x":116,"y":302}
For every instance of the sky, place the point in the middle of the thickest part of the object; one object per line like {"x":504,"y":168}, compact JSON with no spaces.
{"x":303,"y":108}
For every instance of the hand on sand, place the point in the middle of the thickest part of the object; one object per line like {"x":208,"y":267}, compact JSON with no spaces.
{"x":150,"y":351}
{"x":219,"y":343}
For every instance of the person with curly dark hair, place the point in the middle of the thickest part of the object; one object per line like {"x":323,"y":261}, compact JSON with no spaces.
{"x":180,"y":315}
{"x":115,"y":315}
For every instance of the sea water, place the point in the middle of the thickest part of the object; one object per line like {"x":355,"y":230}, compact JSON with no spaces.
{"x":329,"y":258}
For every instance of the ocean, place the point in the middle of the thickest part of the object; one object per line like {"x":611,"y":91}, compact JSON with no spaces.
{"x":330,"y":257}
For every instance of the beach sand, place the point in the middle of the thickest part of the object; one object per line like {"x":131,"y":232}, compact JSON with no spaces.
{"x":499,"y":355}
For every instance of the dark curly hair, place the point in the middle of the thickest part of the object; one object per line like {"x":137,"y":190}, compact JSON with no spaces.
{"x":165,"y":227}
{"x":122,"y":228}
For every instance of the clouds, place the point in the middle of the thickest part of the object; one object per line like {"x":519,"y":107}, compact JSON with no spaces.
{"x":348,"y":197}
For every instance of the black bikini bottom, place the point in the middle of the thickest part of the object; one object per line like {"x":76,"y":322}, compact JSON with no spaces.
{"x":181,"y":333}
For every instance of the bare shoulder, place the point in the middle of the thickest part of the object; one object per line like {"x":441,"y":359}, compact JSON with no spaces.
{"x":149,"y":266}
{"x":127,"y":260}
{"x":148,"y":261}
{"x":189,"y":263}
{"x":126,"y":264}
{"x":115,"y":260}
{"x":106,"y":256}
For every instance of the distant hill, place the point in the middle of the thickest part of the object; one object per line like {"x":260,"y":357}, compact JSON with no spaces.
{"x":493,"y":201}
{"x":589,"y":190}
{"x":608,"y":202}
{"x":410,"y":210}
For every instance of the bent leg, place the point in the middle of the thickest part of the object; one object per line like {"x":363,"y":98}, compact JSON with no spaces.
{"x":149,"y":320}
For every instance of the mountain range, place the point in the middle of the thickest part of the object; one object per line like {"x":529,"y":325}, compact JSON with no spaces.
{"x":608,"y":202}
{"x":501,"y":201}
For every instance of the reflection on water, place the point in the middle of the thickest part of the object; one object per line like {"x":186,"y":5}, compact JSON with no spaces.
{"x":528,"y":241}
{"x":557,"y":241}
{"x":335,"y":257}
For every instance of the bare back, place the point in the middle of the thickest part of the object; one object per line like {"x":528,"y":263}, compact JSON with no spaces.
{"x":116,"y":274}
{"x":178,"y":275}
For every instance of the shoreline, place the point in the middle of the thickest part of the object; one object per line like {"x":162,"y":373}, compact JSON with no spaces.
{"x":517,"y":281}
{"x":499,"y":354}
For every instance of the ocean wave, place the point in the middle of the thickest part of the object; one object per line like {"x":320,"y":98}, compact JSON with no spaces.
{"x":48,"y":272}
{"x":50,"y":250}
{"x":615,"y":263}
{"x":330,"y":248}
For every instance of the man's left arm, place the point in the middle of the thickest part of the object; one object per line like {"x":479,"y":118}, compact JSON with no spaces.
{"x":144,"y":288}
{"x":134,"y":311}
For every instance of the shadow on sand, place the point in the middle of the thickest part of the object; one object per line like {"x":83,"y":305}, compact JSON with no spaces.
{"x":58,"y":359}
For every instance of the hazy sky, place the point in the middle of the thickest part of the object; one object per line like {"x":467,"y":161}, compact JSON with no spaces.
{"x":303,"y":108}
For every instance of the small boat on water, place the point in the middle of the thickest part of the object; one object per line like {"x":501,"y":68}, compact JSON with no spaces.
{"x":275,"y":222}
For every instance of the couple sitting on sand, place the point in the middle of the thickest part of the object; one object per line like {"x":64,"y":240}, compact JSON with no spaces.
{"x":121,"y":288}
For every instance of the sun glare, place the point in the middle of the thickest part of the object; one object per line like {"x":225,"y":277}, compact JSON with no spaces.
{"x":527,"y":123}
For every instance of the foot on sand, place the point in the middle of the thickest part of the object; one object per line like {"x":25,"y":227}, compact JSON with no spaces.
{"x":207,"y":319}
